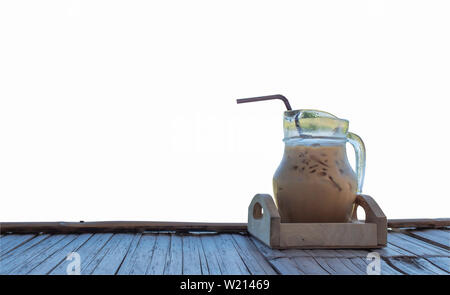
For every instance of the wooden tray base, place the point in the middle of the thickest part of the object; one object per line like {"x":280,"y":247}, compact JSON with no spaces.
{"x":264,"y":224}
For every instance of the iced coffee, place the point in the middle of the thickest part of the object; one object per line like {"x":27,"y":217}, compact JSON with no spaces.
{"x":315,"y":183}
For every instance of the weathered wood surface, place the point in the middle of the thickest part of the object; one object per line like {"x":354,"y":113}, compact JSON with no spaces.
{"x":407,"y":252}
{"x":117,"y":227}
{"x":139,"y":256}
{"x":142,"y":226}
{"x":47,"y":264}
{"x":174,"y":263}
{"x":10,"y":242}
{"x":436,"y":237}
{"x":87,"y":252}
{"x":419,"y":223}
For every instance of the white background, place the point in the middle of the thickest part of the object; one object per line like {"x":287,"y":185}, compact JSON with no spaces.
{"x":125,"y":110}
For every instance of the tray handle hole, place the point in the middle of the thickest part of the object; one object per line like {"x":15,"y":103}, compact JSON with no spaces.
{"x":359,"y":213}
{"x":258,"y":211}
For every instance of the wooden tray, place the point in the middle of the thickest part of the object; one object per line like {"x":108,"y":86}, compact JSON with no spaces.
{"x":264,"y":224}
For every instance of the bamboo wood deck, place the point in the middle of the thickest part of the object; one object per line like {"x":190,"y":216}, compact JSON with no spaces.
{"x":228,"y":250}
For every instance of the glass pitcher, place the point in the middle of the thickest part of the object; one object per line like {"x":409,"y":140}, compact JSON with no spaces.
{"x":314,"y":181}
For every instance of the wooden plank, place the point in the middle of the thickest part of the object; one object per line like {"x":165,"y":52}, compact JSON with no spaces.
{"x":256,"y":263}
{"x":160,"y":251}
{"x":117,"y":226}
{"x":141,"y":226}
{"x":137,"y":262}
{"x":87,"y":253}
{"x":23,"y":247}
{"x":33,"y":261}
{"x":191,"y":258}
{"x":277,"y":259}
{"x":266,"y":251}
{"x":334,"y":261}
{"x":231,"y":263}
{"x":11,"y":242}
{"x":192,"y":249}
{"x":386,"y":269}
{"x":285,"y":266}
{"x":323,"y":253}
{"x":353,"y":253}
{"x":97,"y":259}
{"x":440,"y":238}
{"x":392,"y":250}
{"x":362,"y":263}
{"x":441,"y":262}
{"x":334,"y":266}
{"x":129,"y":255}
{"x":406,"y":266}
{"x":295,"y":253}
{"x":174,"y":263}
{"x":12,"y":262}
{"x":352,"y":267}
{"x":309,"y":266}
{"x":415,"y":266}
{"x":111,"y":244}
{"x":323,"y":263}
{"x":389,"y":251}
{"x":213,"y":259}
{"x":442,"y":234}
{"x":418,"y":247}
{"x":430,"y":266}
{"x":112,"y":260}
{"x":203,"y":262}
{"x":419,"y":223}
{"x":49,"y":263}
{"x":353,"y":260}
{"x":11,"y":257}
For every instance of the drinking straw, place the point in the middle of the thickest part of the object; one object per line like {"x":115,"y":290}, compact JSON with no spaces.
{"x":268,"y":97}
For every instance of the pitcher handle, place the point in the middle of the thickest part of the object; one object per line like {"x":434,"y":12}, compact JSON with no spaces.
{"x":360,"y":154}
